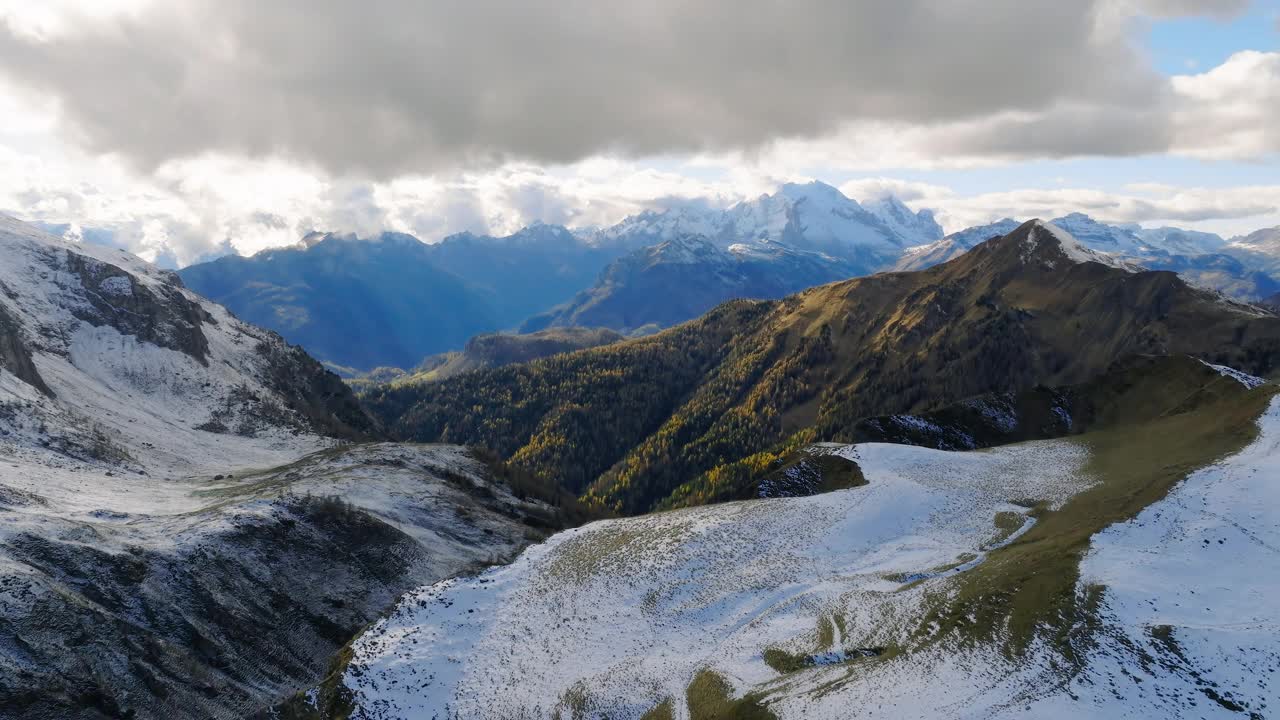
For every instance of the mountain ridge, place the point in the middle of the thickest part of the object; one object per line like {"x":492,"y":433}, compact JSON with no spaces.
{"x":684,"y":277}
{"x":392,"y":304}
{"x":1030,"y":307}
{"x":175,"y":482}
{"x":1088,"y":575}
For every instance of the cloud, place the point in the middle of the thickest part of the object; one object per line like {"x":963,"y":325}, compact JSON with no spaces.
{"x":193,"y":209}
{"x":1221,"y":9}
{"x":1230,"y":209}
{"x":1230,"y":111}
{"x":184,"y":128}
{"x":421,"y":87}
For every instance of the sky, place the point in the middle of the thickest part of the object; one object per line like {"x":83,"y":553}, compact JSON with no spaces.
{"x":185,"y":129}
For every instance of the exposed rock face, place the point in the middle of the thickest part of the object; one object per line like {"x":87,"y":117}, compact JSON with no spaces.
{"x":15,"y":356}
{"x":150,"y":567}
{"x":123,"y":356}
{"x":156,"y":313}
{"x":318,"y":396}
{"x":235,"y":595}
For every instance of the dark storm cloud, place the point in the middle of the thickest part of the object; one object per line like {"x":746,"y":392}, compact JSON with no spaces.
{"x":402,"y":85}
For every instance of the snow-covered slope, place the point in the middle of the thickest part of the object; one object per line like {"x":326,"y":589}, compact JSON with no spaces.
{"x":1071,"y":248}
{"x":1177,"y":241}
{"x":626,"y":612}
{"x":920,"y":257}
{"x":653,"y":227}
{"x":182,"y":533}
{"x":913,"y":227}
{"x":906,"y":597}
{"x":1110,"y":239}
{"x":221,"y":597}
{"x":1239,"y":270}
{"x":111,"y":364}
{"x":1265,"y":241}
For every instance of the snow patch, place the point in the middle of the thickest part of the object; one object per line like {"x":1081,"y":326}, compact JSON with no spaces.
{"x":1071,"y":247}
{"x":1245,"y":379}
{"x":116,"y":286}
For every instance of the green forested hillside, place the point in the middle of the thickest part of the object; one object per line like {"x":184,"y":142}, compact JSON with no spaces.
{"x":628,"y":424}
{"x":498,"y":349}
{"x":1134,"y":390}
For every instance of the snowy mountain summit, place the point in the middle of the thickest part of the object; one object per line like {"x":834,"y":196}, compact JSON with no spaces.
{"x":812,"y":216}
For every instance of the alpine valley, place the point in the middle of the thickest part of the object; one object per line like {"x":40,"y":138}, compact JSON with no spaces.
{"x":799,"y":458}
{"x":663,"y":360}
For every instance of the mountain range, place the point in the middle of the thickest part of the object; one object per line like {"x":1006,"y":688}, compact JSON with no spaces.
{"x":358,"y":303}
{"x":679,"y":279}
{"x":198,"y":520}
{"x":1097,"y":558}
{"x":1033,"y":306}
{"x":390,"y":301}
{"x":331,"y":288}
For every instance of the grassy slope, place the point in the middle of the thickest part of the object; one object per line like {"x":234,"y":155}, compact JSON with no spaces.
{"x":1029,"y":587}
{"x":1134,"y":390}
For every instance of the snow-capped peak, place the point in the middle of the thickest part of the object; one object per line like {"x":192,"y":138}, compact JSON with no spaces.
{"x":1071,"y":247}
{"x":1265,"y":241}
{"x":915,"y":228}
{"x":812,"y":216}
{"x":1104,"y":238}
{"x":814,"y":191}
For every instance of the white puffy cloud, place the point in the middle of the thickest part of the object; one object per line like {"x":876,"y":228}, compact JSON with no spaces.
{"x":1229,"y":210}
{"x":1231,"y":110}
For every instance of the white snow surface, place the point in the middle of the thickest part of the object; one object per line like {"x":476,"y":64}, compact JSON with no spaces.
{"x":913,"y":227}
{"x":1245,"y":379}
{"x":614,"y":617}
{"x":1200,"y":568}
{"x":1073,"y":249}
{"x":139,"y":397}
{"x":809,"y":216}
{"x":628,"y":611}
{"x":1265,"y":241}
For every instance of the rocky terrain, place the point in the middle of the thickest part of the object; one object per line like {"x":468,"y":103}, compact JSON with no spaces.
{"x":186,"y":529}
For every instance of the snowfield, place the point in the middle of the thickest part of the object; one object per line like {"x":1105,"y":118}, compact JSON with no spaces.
{"x":1197,"y":571}
{"x":627,"y":611}
{"x":611,"y":619}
